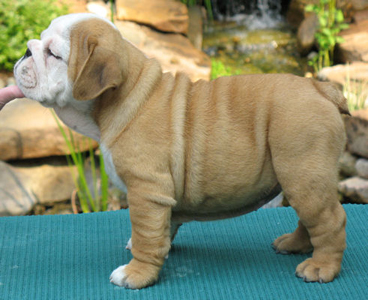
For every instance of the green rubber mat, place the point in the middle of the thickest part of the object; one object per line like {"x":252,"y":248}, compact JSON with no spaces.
{"x":72,"y":256}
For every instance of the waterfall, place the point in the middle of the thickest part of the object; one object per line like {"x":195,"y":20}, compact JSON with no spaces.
{"x":266,"y":15}
{"x":255,"y":14}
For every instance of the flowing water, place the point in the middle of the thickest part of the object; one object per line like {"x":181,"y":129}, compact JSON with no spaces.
{"x":260,"y":42}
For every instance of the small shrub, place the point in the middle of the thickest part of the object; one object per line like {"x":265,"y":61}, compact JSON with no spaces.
{"x":20,"y":21}
{"x":331,"y":22}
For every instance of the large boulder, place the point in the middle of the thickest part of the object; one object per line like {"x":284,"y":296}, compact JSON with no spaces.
{"x":174,"y":51}
{"x":28,"y":130}
{"x":347,"y":164}
{"x":306,"y":34}
{"x":356,"y":72}
{"x":355,"y":189}
{"x":74,"y":6}
{"x":195,"y":26}
{"x":21,"y":188}
{"x":362,"y":167}
{"x":357,"y":132}
{"x":164,"y":15}
{"x":353,"y":78}
{"x":359,"y":4}
{"x":355,"y":47}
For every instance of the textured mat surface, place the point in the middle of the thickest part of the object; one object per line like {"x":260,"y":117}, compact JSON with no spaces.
{"x":71,"y":257}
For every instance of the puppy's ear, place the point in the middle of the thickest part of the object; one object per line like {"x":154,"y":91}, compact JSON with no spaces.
{"x":95,"y":70}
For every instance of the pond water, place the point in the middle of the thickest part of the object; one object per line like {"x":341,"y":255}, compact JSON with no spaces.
{"x":250,"y":45}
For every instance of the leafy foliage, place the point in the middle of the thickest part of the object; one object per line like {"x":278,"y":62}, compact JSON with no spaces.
{"x":20,"y":21}
{"x":331,"y":22}
{"x":91,"y":200}
{"x":218,"y":69}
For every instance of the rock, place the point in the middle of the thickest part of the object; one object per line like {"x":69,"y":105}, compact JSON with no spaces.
{"x":173,"y":51}
{"x":360,"y":16}
{"x":74,"y":6}
{"x":359,"y":4}
{"x":59,"y":209}
{"x":355,"y":47}
{"x":117,"y":199}
{"x":195,"y":26}
{"x":356,"y":72}
{"x":357,"y":132}
{"x":347,"y":163}
{"x":295,"y":14}
{"x":28,"y":130}
{"x":2,"y":83}
{"x":353,"y":79}
{"x":362,"y":167}
{"x":355,"y":188}
{"x":21,"y":188}
{"x":164,"y":15}
{"x":306,"y":33}
{"x":99,"y":8}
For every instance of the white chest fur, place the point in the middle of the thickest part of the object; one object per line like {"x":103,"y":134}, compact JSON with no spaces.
{"x":77,"y":115}
{"x":110,"y":169}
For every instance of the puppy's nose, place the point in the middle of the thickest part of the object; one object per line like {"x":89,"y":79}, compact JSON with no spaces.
{"x":28,"y":53}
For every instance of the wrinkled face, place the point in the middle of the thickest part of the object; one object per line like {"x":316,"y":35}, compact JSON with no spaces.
{"x":42,"y":73}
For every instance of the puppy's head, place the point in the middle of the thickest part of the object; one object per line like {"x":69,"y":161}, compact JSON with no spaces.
{"x":75,"y":59}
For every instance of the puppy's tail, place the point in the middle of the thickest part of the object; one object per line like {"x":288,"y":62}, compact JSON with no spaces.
{"x":331,"y":92}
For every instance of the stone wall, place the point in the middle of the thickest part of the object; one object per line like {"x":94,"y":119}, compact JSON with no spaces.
{"x":353,"y":78}
{"x":354,"y":162}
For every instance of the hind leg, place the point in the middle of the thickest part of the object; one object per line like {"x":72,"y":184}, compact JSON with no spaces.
{"x":306,"y":141}
{"x":313,"y":195}
{"x":296,"y":242}
{"x":326,"y":228}
{"x":308,"y":173}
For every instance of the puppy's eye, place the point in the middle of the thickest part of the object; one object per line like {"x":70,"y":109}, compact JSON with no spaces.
{"x":50,"y":53}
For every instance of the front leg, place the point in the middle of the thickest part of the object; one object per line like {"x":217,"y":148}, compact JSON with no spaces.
{"x":173,"y":231}
{"x":150,"y":242}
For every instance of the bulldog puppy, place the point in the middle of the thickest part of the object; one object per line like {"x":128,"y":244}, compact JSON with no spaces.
{"x":194,"y":151}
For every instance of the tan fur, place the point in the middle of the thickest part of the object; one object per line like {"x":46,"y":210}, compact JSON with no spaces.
{"x":208,"y":150}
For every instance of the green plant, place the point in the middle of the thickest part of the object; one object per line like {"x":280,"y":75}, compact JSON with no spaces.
{"x":356,"y":92}
{"x":218,"y":69}
{"x":77,"y":158}
{"x":207,"y":4}
{"x":330,"y":23}
{"x":20,"y":21}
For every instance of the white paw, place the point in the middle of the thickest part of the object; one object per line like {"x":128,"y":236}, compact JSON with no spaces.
{"x":118,"y":276}
{"x":129,"y":244}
